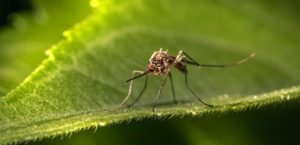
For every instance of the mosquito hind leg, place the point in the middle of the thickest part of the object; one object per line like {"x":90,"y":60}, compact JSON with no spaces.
{"x":187,"y":58}
{"x":191,"y":90}
{"x":192,"y":61}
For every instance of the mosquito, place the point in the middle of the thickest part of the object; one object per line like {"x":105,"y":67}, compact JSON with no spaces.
{"x":161,"y":63}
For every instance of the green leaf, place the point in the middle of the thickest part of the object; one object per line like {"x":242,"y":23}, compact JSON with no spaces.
{"x":84,"y":74}
{"x":23,"y":44}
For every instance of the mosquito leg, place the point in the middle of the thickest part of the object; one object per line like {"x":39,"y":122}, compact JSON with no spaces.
{"x":130,"y":88}
{"x":159,"y":92}
{"x":172,"y":87}
{"x":191,"y":61}
{"x":190,"y":58}
{"x":191,"y":90}
{"x":141,"y":93}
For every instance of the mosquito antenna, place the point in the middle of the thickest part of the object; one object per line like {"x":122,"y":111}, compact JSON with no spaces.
{"x":138,"y":76}
{"x":222,"y":65}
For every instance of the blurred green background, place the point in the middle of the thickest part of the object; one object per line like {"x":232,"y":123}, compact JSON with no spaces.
{"x":28,"y":28}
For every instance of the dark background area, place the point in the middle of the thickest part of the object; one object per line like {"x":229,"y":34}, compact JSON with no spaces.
{"x":8,"y":7}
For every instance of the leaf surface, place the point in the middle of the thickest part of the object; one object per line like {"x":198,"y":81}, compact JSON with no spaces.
{"x":83,"y":78}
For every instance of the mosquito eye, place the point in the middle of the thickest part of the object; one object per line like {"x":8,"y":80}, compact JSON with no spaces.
{"x":151,"y":67}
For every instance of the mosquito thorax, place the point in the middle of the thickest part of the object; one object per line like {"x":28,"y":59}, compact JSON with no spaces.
{"x":160,"y":62}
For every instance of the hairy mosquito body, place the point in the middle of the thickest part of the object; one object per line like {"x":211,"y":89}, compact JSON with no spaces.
{"x":161,"y":63}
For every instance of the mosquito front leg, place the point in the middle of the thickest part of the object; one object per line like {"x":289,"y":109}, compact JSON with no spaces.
{"x":159,"y":92}
{"x":172,"y":87}
{"x":191,"y":90}
{"x":130,"y":86}
{"x":141,"y":93}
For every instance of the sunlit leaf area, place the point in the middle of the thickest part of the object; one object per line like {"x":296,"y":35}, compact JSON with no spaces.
{"x":64,"y":66}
